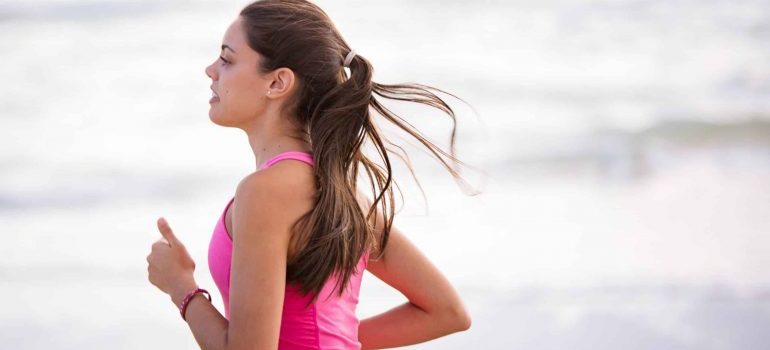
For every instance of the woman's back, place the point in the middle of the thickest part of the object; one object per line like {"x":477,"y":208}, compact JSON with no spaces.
{"x":329,"y":323}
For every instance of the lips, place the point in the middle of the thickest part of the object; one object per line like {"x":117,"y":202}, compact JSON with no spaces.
{"x":214,"y":96}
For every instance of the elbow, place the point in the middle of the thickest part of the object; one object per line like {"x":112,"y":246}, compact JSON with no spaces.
{"x":458,"y":319}
{"x":464,"y":322}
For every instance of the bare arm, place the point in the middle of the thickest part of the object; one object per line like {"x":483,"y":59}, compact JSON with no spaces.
{"x":207,"y":324}
{"x":434,"y":308}
{"x":261,"y":233}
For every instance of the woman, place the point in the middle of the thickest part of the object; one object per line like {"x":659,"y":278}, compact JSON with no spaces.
{"x":290,"y":248}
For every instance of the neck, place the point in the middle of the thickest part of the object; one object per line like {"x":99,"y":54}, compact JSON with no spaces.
{"x":269,"y":137}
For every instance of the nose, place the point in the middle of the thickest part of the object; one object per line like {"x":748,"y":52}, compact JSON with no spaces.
{"x":210,"y":71}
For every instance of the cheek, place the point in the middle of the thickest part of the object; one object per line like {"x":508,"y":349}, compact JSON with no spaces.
{"x":238,"y":102}
{"x":235,"y":101}
{"x":230,"y":90}
{"x":228,"y":93}
{"x":242,"y":94}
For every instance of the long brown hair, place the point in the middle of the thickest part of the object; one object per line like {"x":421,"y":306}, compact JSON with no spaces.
{"x":334,"y":112}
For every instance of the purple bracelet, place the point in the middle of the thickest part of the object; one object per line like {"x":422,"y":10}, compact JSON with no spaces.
{"x":188,"y":297}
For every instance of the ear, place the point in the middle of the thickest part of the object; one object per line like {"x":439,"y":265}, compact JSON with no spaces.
{"x":282,"y":84}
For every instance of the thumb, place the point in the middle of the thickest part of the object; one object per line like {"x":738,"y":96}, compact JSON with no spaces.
{"x":165,"y":231}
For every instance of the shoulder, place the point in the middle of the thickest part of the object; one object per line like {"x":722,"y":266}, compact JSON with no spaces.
{"x":285,"y":177}
{"x":282,"y":189}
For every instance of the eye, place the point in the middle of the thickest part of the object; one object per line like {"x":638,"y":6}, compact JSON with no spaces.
{"x":224,"y":60}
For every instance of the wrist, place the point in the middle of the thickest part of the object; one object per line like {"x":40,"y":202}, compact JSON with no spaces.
{"x":181,"y":290}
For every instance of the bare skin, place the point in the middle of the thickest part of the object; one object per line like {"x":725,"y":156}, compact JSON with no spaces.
{"x":253,"y":102}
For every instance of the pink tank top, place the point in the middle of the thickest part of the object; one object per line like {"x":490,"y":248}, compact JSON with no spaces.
{"x":329,"y":323}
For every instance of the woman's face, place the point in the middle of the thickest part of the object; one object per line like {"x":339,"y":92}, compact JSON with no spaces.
{"x":238,"y":89}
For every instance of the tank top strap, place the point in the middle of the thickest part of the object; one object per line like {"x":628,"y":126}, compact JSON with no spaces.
{"x":302,"y":156}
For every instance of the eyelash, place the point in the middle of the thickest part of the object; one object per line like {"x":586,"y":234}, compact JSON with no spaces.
{"x":224,"y":60}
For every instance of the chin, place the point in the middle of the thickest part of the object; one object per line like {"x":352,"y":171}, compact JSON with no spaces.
{"x":212,"y":115}
{"x":215,"y":117}
{"x":219,"y":119}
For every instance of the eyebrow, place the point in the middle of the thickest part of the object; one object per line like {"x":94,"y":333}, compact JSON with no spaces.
{"x":228,"y":47}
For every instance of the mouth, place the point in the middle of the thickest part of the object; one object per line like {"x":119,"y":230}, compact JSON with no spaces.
{"x":214,"y":96}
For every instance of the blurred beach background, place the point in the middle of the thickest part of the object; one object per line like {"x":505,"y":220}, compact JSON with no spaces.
{"x":626,"y":145}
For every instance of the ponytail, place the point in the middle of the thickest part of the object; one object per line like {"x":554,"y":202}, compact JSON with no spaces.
{"x":335,"y":108}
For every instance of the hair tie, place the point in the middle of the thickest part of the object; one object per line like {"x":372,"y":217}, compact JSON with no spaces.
{"x":349,"y":58}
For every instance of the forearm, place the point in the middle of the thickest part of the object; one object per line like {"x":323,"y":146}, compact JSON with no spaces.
{"x":404,"y":325}
{"x":207,"y":324}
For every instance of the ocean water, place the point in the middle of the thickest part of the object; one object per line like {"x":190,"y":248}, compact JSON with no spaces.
{"x":622,"y":148}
